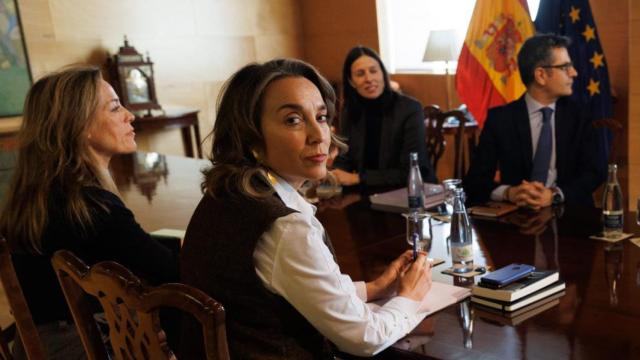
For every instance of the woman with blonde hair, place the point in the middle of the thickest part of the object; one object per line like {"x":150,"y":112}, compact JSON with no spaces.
{"x":63,"y":197}
{"x":255,"y":245}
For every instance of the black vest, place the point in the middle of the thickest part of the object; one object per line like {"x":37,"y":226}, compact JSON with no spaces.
{"x":217,"y":257}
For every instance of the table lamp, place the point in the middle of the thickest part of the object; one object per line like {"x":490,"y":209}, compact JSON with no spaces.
{"x":442,"y":46}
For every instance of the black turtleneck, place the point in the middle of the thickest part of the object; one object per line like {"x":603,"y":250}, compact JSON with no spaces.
{"x":373,"y":111}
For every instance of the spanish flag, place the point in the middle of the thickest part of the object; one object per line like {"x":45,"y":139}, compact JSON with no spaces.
{"x":487,"y":73}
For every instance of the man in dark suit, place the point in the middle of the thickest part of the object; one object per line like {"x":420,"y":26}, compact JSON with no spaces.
{"x":542,"y":144}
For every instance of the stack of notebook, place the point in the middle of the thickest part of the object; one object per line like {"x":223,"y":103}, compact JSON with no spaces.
{"x":533,"y":289}
{"x":515,"y":317}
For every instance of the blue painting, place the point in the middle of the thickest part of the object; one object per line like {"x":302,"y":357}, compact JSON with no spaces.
{"x":15,"y":77}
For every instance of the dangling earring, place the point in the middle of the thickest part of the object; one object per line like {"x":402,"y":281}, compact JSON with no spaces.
{"x":256,"y":156}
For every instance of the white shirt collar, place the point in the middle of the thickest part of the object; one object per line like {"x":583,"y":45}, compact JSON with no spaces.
{"x":290,"y":196}
{"x":534,"y":106}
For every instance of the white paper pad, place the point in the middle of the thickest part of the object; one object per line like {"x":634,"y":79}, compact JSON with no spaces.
{"x":439,"y":297}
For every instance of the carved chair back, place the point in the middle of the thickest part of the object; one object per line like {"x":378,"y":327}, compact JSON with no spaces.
{"x":131,"y":310}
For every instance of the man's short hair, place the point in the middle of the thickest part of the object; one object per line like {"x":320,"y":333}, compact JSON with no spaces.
{"x":536,"y":51}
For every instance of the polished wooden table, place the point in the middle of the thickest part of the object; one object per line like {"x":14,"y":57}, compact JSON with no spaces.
{"x":162,"y":191}
{"x":598,"y":317}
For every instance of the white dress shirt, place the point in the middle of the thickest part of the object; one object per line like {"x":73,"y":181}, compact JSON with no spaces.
{"x":293,"y":261}
{"x":535,"y":123}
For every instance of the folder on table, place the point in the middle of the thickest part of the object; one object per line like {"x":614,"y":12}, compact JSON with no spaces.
{"x":397,"y":200}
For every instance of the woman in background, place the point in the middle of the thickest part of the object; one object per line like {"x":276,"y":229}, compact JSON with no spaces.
{"x":381,"y":126}
{"x":63,"y":197}
{"x":255,"y":245}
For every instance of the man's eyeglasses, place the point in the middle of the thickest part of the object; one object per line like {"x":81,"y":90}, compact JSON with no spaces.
{"x":564,"y":67}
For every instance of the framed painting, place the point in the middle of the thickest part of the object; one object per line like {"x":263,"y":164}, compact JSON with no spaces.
{"x":15,"y":76}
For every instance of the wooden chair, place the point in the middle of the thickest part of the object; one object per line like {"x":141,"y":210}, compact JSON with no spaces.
{"x":434,"y":136}
{"x":131,"y":310}
{"x":464,"y":144}
{"x":5,"y":354}
{"x":616,"y":129}
{"x":21,"y":313}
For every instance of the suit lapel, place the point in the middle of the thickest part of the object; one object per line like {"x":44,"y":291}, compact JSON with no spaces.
{"x":523,"y":129}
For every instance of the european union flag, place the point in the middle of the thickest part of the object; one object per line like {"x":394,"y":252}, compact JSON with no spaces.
{"x":572,"y":18}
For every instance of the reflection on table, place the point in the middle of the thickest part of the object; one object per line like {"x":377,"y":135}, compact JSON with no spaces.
{"x":161,"y":190}
{"x":598,"y":316}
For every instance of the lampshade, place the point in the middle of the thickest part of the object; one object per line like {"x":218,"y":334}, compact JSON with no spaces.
{"x":441,"y":46}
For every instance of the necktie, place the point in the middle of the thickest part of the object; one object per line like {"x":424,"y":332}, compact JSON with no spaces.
{"x":543,"y":151}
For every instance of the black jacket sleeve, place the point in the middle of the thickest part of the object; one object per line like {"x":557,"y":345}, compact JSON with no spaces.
{"x":120,"y":238}
{"x":479,"y":180}
{"x":345,"y":161}
{"x":585,"y":173}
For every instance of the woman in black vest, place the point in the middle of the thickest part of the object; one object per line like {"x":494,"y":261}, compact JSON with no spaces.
{"x":63,"y":197}
{"x":255,"y":245}
{"x":380,"y":125}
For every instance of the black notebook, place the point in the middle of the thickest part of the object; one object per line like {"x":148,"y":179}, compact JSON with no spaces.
{"x":522,"y":302}
{"x":397,"y":201}
{"x":519,"y":288}
{"x":514,"y":318}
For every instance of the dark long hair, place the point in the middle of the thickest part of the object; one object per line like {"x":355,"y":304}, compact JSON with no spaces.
{"x":350,"y":94}
{"x":353,"y":102}
{"x":237,"y":138}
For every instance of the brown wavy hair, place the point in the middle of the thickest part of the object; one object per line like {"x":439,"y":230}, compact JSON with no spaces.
{"x":53,"y":152}
{"x":237,"y":137}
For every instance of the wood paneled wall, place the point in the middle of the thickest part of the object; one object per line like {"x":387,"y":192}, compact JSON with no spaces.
{"x":332,"y":27}
{"x":195,"y":44}
{"x":634,"y":103}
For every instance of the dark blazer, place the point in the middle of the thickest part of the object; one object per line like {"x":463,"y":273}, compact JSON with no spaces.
{"x":505,"y":145}
{"x":402,"y":133}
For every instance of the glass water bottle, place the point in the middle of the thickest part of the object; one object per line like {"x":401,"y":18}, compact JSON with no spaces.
{"x":461,"y":236}
{"x":612,"y":207}
{"x":415,"y":187}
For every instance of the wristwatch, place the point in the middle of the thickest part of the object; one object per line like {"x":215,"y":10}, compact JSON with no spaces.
{"x":557,"y":197}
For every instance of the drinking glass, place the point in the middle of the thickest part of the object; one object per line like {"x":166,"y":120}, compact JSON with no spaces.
{"x":450,"y":185}
{"x":419,"y":230}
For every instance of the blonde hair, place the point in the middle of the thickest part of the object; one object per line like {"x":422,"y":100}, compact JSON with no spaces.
{"x":53,"y":153}
{"x":237,"y":138}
